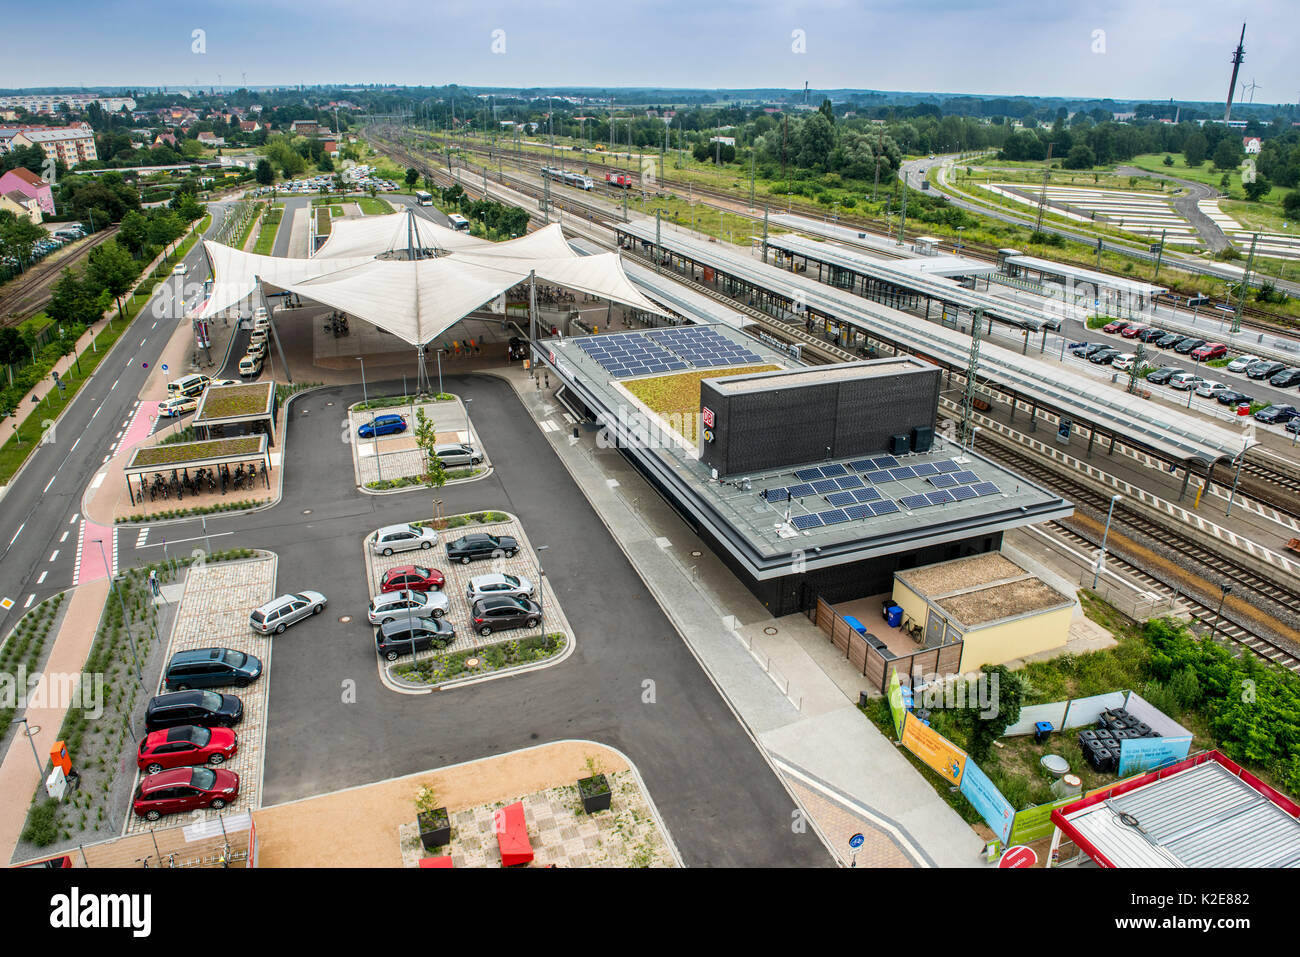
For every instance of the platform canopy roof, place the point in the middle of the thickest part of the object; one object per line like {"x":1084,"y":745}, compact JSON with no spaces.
{"x":419,"y":299}
{"x":378,"y":235}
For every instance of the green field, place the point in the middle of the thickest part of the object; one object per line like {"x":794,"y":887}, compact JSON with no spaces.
{"x":373,"y":206}
{"x":266,"y":236}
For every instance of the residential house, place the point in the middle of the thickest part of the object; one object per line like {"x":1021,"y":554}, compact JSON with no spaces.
{"x":21,"y":206}
{"x":1251,"y":144}
{"x":30,"y":186}
{"x":68,"y":144}
{"x":211,"y":140}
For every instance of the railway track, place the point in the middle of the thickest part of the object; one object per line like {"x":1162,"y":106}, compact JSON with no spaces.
{"x":27,"y":293}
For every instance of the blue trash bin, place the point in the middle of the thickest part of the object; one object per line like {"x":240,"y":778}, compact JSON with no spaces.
{"x":856,"y":625}
{"x":895,"y":616}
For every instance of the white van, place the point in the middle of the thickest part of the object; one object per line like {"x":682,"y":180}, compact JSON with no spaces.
{"x":250,"y":365}
{"x":189,"y":385}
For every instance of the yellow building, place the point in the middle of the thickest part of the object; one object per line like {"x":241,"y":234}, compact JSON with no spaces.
{"x":998,"y":610}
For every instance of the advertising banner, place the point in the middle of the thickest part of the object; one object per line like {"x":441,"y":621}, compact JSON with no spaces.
{"x":1035,"y":822}
{"x":934,"y":749}
{"x":996,"y":810}
{"x":1147,"y":754}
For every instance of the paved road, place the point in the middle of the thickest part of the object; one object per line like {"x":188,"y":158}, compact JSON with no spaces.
{"x":1185,"y":204}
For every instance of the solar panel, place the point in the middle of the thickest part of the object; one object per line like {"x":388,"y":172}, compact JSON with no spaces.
{"x":884,"y":507}
{"x":866,"y":495}
{"x":947,"y":465}
{"x":776,"y":494}
{"x":826,"y":485}
{"x":878,"y":477}
{"x":840,"y":498}
{"x":835,"y":469}
{"x":833,"y":516}
{"x":915,"y":501}
{"x":966,"y":478}
{"x":924,"y":469}
{"x":807,"y":475}
{"x":903,"y":472}
{"x":985,"y":488}
{"x":940,"y":497}
{"x":942,"y":481}
{"x":858,"y":511}
{"x":802,"y":522}
{"x":850,"y":481}
{"x":863,"y":465}
{"x":798,"y":491}
{"x":963,"y":492}
{"x":885,"y":462}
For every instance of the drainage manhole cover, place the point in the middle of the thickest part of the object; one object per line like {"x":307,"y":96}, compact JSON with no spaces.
{"x":696,"y":554}
{"x":306,"y":411}
{"x":33,"y":730}
{"x":306,"y":511}
{"x":769,"y":630}
{"x":344,"y":619}
{"x":329,"y":403}
{"x":472,"y":662}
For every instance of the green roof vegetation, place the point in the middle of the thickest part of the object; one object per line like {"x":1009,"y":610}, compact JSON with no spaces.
{"x":223,"y":402}
{"x":183,"y":452}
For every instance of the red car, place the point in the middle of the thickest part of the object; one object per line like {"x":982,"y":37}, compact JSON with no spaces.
{"x":1133,"y":331}
{"x":184,"y":789}
{"x":185,"y":746}
{"x":1117,"y":325}
{"x":1211,"y":350}
{"x":413,"y":577}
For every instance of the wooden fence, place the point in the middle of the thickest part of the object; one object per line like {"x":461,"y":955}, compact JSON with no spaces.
{"x":871,"y":658}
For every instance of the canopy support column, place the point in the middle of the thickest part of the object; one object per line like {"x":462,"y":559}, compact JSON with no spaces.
{"x":1187,"y":477}
{"x":270,"y":321}
{"x":532,"y":320}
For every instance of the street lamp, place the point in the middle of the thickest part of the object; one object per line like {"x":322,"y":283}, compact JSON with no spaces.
{"x":1237,"y":478}
{"x":959,"y":230}
{"x":1218,"y":614}
{"x":112,"y":579}
{"x":1101,"y":556}
{"x":467,"y":432}
{"x":27,"y":733}
{"x":379,"y":468}
{"x":541,"y":622}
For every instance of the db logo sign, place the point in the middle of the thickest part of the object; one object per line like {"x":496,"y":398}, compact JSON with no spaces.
{"x":708,"y":416}
{"x":708,"y":435}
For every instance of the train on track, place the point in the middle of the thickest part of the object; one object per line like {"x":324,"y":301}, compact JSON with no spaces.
{"x":568,"y":177}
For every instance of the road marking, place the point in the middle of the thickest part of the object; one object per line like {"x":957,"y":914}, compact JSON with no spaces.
{"x":48,"y":484}
{"x":99,"y":479}
{"x":549,"y":426}
{"x":54,"y":555}
{"x":140,"y":539}
{"x":16,"y":534}
{"x":73,"y":520}
{"x":30,"y":598}
{"x":196,"y":538}
{"x":63,"y":538}
{"x":41,"y":580}
{"x":106,"y":458}
{"x":144,"y":340}
{"x":75,"y":444}
{"x":612,"y":483}
{"x":6,"y":603}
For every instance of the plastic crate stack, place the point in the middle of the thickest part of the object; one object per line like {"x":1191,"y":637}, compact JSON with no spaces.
{"x":1101,"y":746}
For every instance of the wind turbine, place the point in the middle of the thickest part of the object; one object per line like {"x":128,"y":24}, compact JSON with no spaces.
{"x":1253,"y":87}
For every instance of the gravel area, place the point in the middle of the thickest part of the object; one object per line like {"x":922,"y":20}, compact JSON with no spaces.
{"x":1003,"y":601}
{"x":961,"y":573}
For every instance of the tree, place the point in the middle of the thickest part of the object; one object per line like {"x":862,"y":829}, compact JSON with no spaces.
{"x":982,"y":727}
{"x":1168,"y":160}
{"x":814,"y":142}
{"x":1227,"y":155}
{"x":18,"y":235}
{"x":13,"y":348}
{"x":265,"y":172}
{"x":112,"y":268}
{"x":828,"y":111}
{"x":71,"y":301}
{"x":134,"y":231}
{"x":1257,"y":188}
{"x":426,"y":437}
{"x":1080,"y":157}
{"x":1291,"y":205}
{"x":1194,"y":150}
{"x":412,"y":176}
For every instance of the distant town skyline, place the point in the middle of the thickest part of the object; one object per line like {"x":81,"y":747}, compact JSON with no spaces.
{"x":1107,"y":49}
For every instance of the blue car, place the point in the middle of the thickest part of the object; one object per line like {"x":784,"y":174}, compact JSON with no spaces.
{"x":383,"y":425}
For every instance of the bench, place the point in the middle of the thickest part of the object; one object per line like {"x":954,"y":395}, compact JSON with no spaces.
{"x":512,"y":835}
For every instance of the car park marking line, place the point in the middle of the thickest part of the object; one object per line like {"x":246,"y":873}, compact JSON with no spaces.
{"x":30,"y":598}
{"x":106,"y":458}
{"x":41,"y":580}
{"x":140,"y":539}
{"x":549,"y":426}
{"x":54,"y":555}
{"x":178,"y":541}
{"x":75,"y":444}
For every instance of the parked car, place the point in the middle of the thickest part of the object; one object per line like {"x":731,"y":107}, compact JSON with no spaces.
{"x":414,"y":577}
{"x":177,"y":406}
{"x":1285,"y":379}
{"x":388,"y":424}
{"x":224,"y":382}
{"x":1189,"y":345}
{"x":1150,"y":334}
{"x":1085,"y":349}
{"x":1209,"y":351}
{"x":1103,"y":356}
{"x":457,"y":453}
{"x":1242,"y":363}
{"x":389,"y":606}
{"x":402,"y":637}
{"x":190,"y":385}
{"x":210,"y":668}
{"x":184,"y":789}
{"x":468,"y":548}
{"x":279,"y":613}
{"x":257,"y":349}
{"x":180,"y":269}
{"x":1277,"y":413}
{"x":1133,"y":330}
{"x":206,"y":708}
{"x":257,"y":337}
{"x":185,"y":746}
{"x":1264,"y":369}
{"x":496,"y":614}
{"x":1170,"y":339}
{"x":1162,"y":375}
{"x":1209,"y":389}
{"x":1233,"y":397}
{"x":1116,"y":326}
{"x":1293,"y":425}
{"x":1184,"y":381}
{"x":402,"y":538}
{"x":250,"y":365}
{"x":492,"y":585}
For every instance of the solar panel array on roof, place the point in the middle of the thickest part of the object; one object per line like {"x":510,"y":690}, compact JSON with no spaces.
{"x":940,"y":497}
{"x":942,"y":481}
{"x":902,"y":472}
{"x":915,"y":501}
{"x":803,"y":522}
{"x":833,"y":516}
{"x":841,"y":498}
{"x":850,"y":481}
{"x":885,"y":462}
{"x":776,"y":494}
{"x":625,"y":354}
{"x":985,"y":488}
{"x":834,"y":469}
{"x":703,"y":347}
{"x":965,"y":477}
{"x":826,"y":485}
{"x":799,"y":490}
{"x":947,"y":465}
{"x":807,"y":475}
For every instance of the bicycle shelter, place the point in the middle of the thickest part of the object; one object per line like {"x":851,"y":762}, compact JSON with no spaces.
{"x":250,"y":452}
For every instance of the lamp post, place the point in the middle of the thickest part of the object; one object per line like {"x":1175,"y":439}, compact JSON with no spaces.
{"x":1101,"y":556}
{"x":1218,"y":614}
{"x":27,"y":733}
{"x":1237,"y":478}
{"x":541,"y":621}
{"x":467,"y":432}
{"x":365,"y":398}
{"x":125,"y":624}
{"x":439,"y":372}
{"x":959,"y":230}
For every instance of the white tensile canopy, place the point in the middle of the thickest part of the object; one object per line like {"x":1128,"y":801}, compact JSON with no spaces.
{"x":417,"y":300}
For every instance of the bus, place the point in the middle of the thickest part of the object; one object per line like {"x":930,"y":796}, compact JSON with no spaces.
{"x":423,"y":199}
{"x":458,"y":222}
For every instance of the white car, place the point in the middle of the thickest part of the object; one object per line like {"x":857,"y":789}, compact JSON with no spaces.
{"x":492,"y":585}
{"x":180,"y":270}
{"x":1124,"y":361}
{"x":1241,"y":363}
{"x":1210,"y":390}
{"x":171,"y":408}
{"x":403,"y":538}
{"x":398,"y":604}
{"x":1185,"y":380}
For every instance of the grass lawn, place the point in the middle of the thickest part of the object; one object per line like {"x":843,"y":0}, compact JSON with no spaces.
{"x":183,"y":452}
{"x":1264,"y":216}
{"x":322,"y":221}
{"x":374,"y":206}
{"x":266,"y":236}
{"x":677,"y":397}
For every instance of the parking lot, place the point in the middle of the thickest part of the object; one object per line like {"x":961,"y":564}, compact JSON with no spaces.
{"x":214,"y":613}
{"x":524,"y":564}
{"x":397,"y":455}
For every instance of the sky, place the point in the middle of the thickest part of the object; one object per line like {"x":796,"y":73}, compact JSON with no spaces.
{"x":1138,"y":49}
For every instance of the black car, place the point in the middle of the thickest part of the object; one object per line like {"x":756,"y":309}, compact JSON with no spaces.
{"x":208,"y":709}
{"x":1292,"y":425}
{"x":1229,"y":397}
{"x":1285,"y":379}
{"x":1169,"y":340}
{"x":1162,"y":375}
{"x":210,"y":668}
{"x":400,"y":637}
{"x":1277,"y":413}
{"x":1104,"y":357}
{"x":493,"y":614}
{"x":1188,"y":344}
{"x":467,"y":548}
{"x":1150,"y":335}
{"x":1085,"y":350}
{"x":1264,"y":369}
